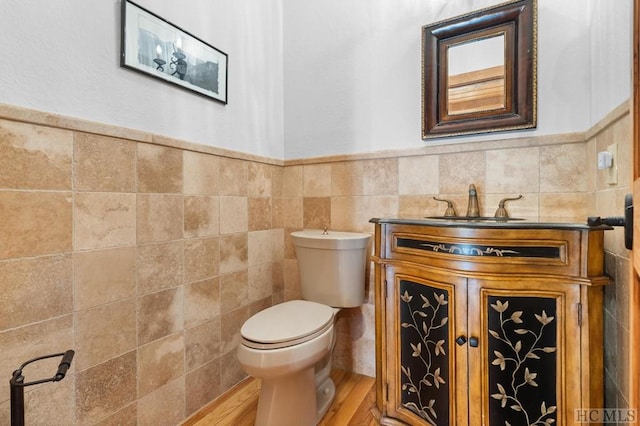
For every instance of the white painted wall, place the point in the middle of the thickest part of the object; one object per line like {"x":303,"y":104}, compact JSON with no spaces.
{"x":352,"y":70}
{"x":62,"y":56}
{"x":611,"y":40}
{"x":306,"y":78}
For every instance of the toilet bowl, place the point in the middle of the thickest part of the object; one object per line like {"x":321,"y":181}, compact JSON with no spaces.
{"x":285,"y":338}
{"x":283,"y":352}
{"x":288,"y":346}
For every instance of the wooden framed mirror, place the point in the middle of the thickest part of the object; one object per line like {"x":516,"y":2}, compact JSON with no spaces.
{"x":479,"y":71}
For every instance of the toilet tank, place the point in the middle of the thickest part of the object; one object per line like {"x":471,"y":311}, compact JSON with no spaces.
{"x":332,"y":266}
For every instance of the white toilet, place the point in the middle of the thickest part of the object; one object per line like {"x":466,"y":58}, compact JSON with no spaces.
{"x":289,"y":345}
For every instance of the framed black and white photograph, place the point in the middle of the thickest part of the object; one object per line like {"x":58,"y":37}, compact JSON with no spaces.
{"x":158,"y":48}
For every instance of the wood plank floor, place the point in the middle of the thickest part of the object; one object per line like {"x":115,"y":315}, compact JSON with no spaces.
{"x":355,"y":397}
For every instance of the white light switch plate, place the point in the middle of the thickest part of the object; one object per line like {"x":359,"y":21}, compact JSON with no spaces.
{"x":605,"y":160}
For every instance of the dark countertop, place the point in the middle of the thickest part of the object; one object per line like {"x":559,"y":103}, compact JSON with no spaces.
{"x":485,"y":223}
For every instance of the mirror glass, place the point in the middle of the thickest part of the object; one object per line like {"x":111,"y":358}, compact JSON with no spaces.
{"x":479,"y":71}
{"x":475,"y":75}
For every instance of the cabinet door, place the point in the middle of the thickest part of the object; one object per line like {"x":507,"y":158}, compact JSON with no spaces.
{"x":525,"y":369}
{"x":426,"y":370}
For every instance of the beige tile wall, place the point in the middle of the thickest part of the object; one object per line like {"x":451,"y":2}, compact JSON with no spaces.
{"x":146,"y":254}
{"x":608,"y":200}
{"x":143,"y":257}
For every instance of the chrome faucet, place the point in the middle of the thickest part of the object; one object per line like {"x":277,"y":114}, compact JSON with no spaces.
{"x":473,"y":210}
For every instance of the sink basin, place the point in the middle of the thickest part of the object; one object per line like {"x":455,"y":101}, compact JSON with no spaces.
{"x":474,"y":219}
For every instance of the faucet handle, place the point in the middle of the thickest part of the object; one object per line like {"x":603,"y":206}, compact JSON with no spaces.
{"x":502,"y":212}
{"x":451,"y":211}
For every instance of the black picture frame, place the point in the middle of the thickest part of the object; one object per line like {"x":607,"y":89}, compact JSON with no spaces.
{"x":155,"y":47}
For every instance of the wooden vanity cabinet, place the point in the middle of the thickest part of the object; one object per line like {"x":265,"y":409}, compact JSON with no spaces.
{"x":487,"y":325}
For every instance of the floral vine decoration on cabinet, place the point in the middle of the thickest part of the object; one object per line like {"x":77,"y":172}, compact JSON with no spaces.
{"x":522,"y":351}
{"x":425,"y":367}
{"x":524,"y":363}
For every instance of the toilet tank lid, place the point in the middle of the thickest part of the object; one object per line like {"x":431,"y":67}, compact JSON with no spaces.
{"x":287,"y":321}
{"x":332,"y":240}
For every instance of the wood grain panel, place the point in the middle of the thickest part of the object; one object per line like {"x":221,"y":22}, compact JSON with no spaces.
{"x":355,"y":398}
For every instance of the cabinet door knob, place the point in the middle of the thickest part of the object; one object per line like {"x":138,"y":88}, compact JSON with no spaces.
{"x":473,"y":342}
{"x":461,"y":340}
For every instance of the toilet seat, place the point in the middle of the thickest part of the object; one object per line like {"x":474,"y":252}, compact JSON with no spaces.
{"x":286,"y":324}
